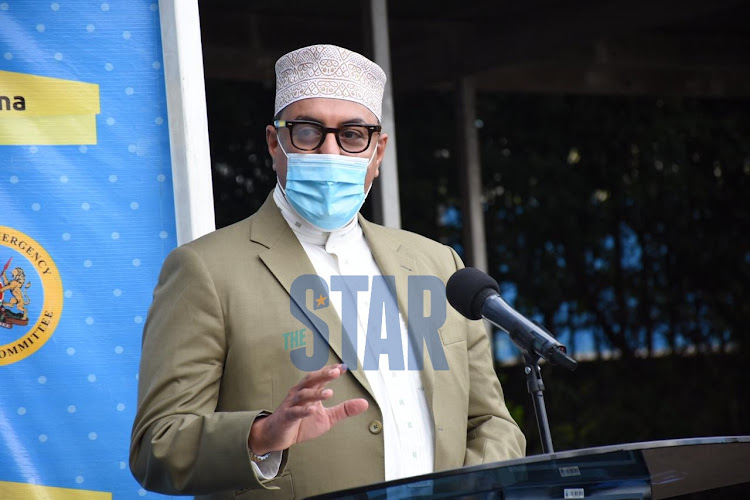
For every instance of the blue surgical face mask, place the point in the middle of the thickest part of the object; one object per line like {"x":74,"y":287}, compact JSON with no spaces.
{"x":326,"y":190}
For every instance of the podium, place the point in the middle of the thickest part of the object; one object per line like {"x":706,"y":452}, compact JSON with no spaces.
{"x":697,"y":468}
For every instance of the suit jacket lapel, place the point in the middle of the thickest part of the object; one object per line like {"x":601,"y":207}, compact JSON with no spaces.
{"x":395,"y":259}
{"x":286,"y":260}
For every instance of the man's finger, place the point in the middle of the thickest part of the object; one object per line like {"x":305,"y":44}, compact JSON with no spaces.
{"x":321,"y":377}
{"x":306,"y":396}
{"x":348,"y":408}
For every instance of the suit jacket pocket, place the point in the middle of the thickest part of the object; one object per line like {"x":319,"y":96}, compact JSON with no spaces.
{"x":454,"y":329}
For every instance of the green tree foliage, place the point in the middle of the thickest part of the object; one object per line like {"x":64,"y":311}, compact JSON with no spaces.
{"x":625,"y":218}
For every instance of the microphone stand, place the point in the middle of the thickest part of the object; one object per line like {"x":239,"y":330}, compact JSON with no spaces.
{"x":535,"y":386}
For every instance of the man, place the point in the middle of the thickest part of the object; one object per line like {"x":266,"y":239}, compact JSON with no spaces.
{"x":230,"y":394}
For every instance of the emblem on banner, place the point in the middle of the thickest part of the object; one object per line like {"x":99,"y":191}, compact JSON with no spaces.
{"x":17,"y":286}
{"x":31,"y":296}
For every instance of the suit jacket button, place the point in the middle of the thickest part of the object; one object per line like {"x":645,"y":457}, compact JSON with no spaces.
{"x":375,"y":427}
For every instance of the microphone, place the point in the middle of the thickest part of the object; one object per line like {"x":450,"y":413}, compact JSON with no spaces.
{"x":476,"y":295}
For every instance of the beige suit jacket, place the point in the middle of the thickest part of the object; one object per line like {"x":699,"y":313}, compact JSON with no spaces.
{"x":213,"y":357}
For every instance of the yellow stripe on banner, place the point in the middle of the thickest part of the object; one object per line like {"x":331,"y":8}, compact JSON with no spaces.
{"x":22,"y":94}
{"x":48,"y":130}
{"x":22,"y":491}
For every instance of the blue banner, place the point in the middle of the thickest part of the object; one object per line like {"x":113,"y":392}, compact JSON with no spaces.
{"x":87,"y":219}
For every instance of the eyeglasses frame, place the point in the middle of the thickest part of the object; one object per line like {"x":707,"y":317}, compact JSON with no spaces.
{"x":289,"y":124}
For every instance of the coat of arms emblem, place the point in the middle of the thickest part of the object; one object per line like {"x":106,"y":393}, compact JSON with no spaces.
{"x":13,"y":297}
{"x":28,"y":314}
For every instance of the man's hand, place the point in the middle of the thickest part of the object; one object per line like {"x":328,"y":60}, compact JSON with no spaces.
{"x":302,"y":416}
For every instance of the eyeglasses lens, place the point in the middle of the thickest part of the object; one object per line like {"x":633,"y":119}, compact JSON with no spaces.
{"x":352,"y":138}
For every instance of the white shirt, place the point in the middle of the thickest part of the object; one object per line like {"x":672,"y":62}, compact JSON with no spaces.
{"x":408,"y":430}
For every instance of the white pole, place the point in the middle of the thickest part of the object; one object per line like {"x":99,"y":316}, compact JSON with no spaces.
{"x":390,"y":204}
{"x":188,"y":124}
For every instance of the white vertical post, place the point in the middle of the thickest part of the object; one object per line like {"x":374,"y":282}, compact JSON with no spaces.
{"x":188,"y":124}
{"x":389,"y":203}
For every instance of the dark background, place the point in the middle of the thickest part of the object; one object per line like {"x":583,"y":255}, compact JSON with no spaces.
{"x":615,"y":147}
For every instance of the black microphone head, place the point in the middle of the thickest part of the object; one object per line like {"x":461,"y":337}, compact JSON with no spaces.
{"x":467,"y":289}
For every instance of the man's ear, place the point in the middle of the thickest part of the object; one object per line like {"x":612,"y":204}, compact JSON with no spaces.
{"x":272,"y":142}
{"x":272,"y":139}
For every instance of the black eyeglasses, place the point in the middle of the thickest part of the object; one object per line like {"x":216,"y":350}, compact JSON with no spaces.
{"x":308,"y":136}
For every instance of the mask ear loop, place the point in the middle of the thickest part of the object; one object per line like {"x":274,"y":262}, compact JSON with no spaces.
{"x":278,"y":140}
{"x":377,"y":145}
{"x":278,"y":181}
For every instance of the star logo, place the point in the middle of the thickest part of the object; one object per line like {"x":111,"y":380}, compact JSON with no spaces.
{"x":321,"y":302}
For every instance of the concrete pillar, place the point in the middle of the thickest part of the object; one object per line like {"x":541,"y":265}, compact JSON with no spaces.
{"x":388,"y":205}
{"x":470,"y":171}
